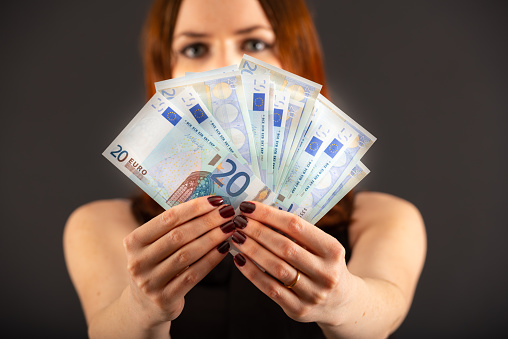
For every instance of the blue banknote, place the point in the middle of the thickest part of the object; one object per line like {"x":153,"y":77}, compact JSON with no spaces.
{"x":323,"y":141}
{"x":356,"y":175}
{"x":252,"y":132}
{"x":343,"y":137}
{"x":257,"y":94}
{"x":174,"y":160}
{"x":277,"y":122}
{"x":223,"y":95}
{"x":189,"y":102}
{"x":300,"y":90}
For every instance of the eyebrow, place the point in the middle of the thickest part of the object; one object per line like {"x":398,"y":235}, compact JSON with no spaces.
{"x":242,"y":31}
{"x":250,"y":29}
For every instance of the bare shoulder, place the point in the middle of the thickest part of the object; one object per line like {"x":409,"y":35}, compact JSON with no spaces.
{"x":377,"y":202}
{"x":93,"y":248}
{"x":381,"y":210}
{"x":95,"y":215}
{"x":99,"y":221}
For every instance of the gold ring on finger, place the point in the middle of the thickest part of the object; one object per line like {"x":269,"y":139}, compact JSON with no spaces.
{"x":293,"y":283}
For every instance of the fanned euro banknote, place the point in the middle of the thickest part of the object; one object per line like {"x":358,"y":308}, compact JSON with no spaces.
{"x":168,"y":155}
{"x":248,"y":132}
{"x":223,"y":95}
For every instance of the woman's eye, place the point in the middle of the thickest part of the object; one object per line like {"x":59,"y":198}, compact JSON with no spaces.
{"x":254,"y":45}
{"x":194,"y":51}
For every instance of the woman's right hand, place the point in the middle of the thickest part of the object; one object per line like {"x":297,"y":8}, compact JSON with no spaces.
{"x":170,"y":254}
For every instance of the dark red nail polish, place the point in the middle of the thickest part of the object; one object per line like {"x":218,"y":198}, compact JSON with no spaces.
{"x":223,"y":247}
{"x":240,"y":222}
{"x":228,"y":227}
{"x":227,"y":211}
{"x":247,"y":207}
{"x":239,"y":237}
{"x":240,"y":259}
{"x":215,"y":200}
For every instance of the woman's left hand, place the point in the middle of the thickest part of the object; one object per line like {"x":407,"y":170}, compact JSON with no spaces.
{"x":324,"y":287}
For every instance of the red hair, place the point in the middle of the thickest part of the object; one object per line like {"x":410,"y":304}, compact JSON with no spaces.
{"x":296,"y":46}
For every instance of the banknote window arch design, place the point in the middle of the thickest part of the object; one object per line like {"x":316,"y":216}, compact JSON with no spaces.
{"x":232,"y":83}
{"x":356,"y":171}
{"x":196,"y":185}
{"x":223,"y":90}
{"x":363,"y":140}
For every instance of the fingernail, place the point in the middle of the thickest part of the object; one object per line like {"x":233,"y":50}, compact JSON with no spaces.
{"x":239,"y":259}
{"x":240,"y":222}
{"x":215,"y":200}
{"x":238,"y":237}
{"x":223,"y":247}
{"x":228,"y":227}
{"x":227,"y":211}
{"x":247,"y":207}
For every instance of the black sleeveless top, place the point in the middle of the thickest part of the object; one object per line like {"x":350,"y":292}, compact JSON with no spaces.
{"x":225,"y":304}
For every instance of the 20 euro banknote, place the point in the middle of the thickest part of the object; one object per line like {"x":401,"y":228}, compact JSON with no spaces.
{"x":357,"y":174}
{"x":224,"y":97}
{"x":257,"y":93}
{"x":302,"y":93}
{"x":173,"y":160}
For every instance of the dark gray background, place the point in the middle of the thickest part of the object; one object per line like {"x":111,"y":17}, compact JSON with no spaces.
{"x":428,"y":78}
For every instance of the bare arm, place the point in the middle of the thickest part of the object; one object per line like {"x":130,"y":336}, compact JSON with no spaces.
{"x":389,"y":247}
{"x":132,"y":280}
{"x":369,"y":297}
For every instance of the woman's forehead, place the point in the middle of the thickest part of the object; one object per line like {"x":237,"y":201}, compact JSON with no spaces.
{"x":208,"y":17}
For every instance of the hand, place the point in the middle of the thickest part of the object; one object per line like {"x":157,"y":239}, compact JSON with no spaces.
{"x":171,"y":253}
{"x":324,"y":283}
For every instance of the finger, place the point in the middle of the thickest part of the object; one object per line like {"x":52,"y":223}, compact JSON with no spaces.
{"x":179,"y":236}
{"x":164,"y":222}
{"x":276,"y":267}
{"x":310,"y":236}
{"x":283,"y":296}
{"x":281,"y":247}
{"x":184,"y":282}
{"x":186,"y":256}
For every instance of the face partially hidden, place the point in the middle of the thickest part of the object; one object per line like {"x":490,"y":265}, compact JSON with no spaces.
{"x":216,"y":33}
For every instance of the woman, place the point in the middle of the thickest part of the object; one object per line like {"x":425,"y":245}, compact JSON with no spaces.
{"x":141,"y":273}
